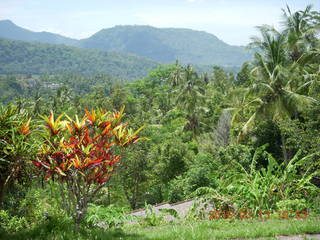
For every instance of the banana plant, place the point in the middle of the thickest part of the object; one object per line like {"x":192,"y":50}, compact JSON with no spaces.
{"x":261,"y":189}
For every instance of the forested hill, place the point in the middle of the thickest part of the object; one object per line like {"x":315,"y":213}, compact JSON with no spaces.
{"x":160,"y":44}
{"x":169,"y":44}
{"x":10,"y":30}
{"x":38,"y":58}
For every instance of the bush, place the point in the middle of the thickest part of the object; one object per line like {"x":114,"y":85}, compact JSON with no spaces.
{"x":260,"y":189}
{"x":40,"y":204}
{"x":12,"y":224}
{"x":106,"y":217}
{"x":292,"y":205}
{"x":34,"y":205}
{"x":81,"y":155}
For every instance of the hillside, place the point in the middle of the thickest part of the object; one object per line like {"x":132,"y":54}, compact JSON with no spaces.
{"x":10,"y":30}
{"x":39,"y":58}
{"x":160,"y":44}
{"x":168,"y":45}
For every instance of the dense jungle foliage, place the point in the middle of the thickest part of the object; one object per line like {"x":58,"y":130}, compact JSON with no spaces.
{"x":246,"y":140}
{"x":41,"y":58}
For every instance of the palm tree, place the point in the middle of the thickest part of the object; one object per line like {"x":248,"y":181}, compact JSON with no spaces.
{"x":190,"y":98}
{"x":237,"y":102}
{"x":272,"y":50}
{"x":176,"y":76}
{"x":300,"y":29}
{"x":274,"y":96}
{"x":275,"y":99}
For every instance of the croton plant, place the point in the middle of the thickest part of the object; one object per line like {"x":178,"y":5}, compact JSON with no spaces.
{"x":82,"y":154}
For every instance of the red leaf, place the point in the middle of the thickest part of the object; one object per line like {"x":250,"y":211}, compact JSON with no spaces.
{"x":36,"y":163}
{"x":95,"y":161}
{"x":47,"y":176}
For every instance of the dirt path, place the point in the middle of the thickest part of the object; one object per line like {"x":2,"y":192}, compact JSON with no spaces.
{"x":290,"y":237}
{"x":299,"y":237}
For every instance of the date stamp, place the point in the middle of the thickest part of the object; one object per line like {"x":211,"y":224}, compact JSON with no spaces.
{"x":263,"y":215}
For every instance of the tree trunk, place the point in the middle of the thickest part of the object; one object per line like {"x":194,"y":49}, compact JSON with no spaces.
{"x":1,"y":192}
{"x":131,"y":200}
{"x":284,"y":150}
{"x":79,"y":216}
{"x":109,"y":196}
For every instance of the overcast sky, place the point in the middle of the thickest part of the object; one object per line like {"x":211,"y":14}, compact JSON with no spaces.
{"x":232,"y":21}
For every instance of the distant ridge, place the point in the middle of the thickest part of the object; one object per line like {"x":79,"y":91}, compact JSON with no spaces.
{"x":18,"y":57}
{"x":163,"y":45}
{"x":168,"y":44}
{"x":11,"y":31}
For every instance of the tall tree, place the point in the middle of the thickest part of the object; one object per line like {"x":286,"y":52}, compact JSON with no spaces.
{"x":274,"y":96}
{"x":191,"y":97}
{"x":301,"y":30}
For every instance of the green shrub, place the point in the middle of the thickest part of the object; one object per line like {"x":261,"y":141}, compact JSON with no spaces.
{"x":196,"y":212}
{"x":12,"y":224}
{"x":34,"y":205}
{"x":151,"y":218}
{"x":260,"y":189}
{"x":292,"y":205}
{"x":107,"y":217}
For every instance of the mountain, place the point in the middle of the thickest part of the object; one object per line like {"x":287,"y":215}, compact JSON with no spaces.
{"x":159,"y":44}
{"x":9,"y":30}
{"x":17,"y":57}
{"x":168,"y":45}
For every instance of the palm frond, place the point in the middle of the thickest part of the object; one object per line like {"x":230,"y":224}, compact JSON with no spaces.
{"x":246,"y":128}
{"x":296,"y":102}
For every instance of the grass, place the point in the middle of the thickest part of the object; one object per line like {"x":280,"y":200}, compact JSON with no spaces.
{"x":226,"y":229}
{"x":221,"y":229}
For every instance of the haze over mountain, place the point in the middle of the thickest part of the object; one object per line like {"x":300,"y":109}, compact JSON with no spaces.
{"x":11,"y":31}
{"x":160,"y":44}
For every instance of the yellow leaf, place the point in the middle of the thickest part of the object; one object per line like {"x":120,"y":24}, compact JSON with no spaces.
{"x":60,"y":171}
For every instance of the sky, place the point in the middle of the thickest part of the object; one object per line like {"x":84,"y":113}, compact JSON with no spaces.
{"x":233,"y":21}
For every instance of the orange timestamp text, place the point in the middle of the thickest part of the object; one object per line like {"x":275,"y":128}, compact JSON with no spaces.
{"x":263,"y":215}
